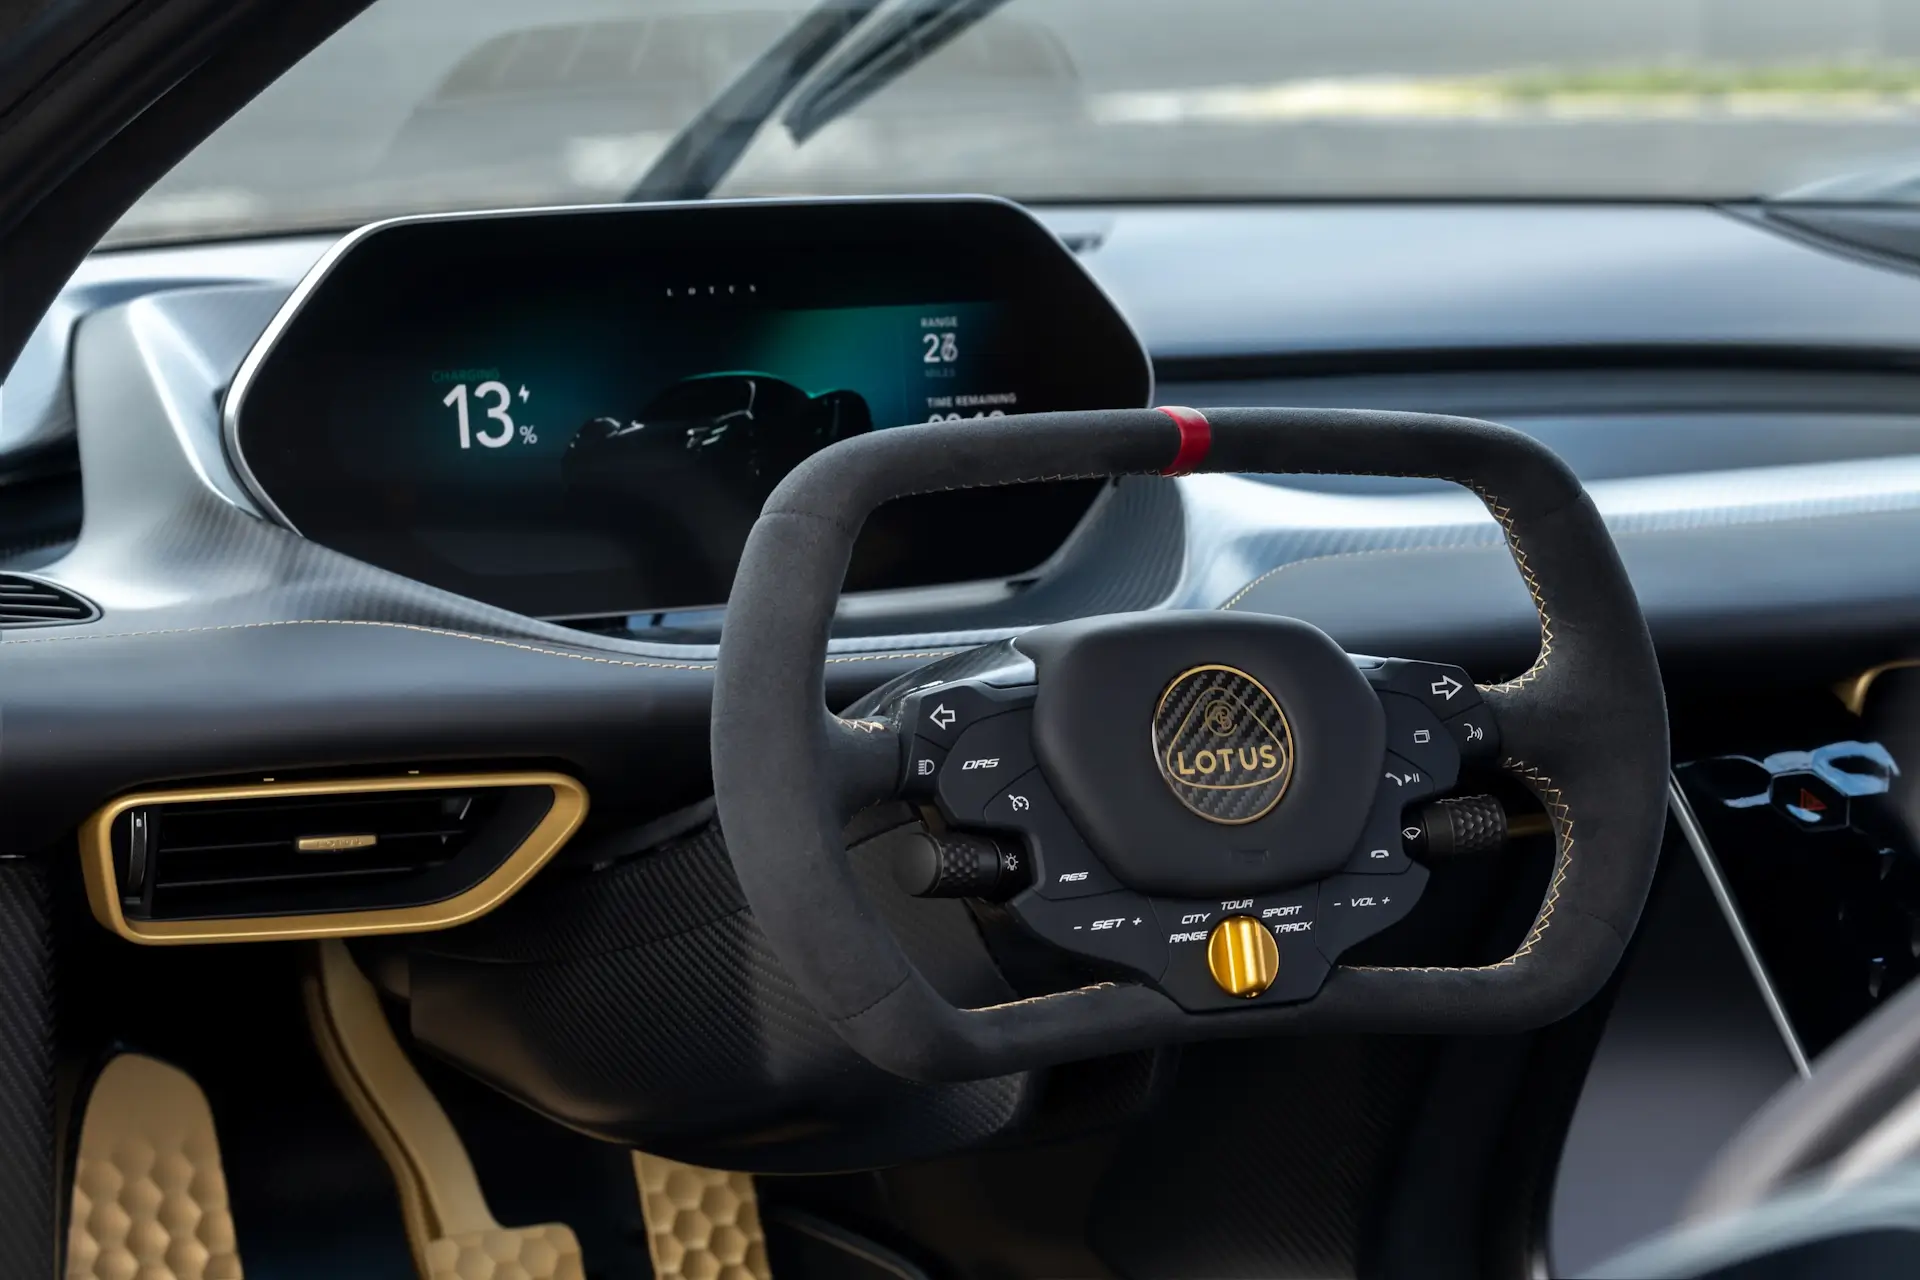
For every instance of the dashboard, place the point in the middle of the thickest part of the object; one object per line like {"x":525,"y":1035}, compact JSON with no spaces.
{"x":367,"y":504}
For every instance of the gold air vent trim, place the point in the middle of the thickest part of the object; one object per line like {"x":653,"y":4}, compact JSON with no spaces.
{"x":553,"y":830}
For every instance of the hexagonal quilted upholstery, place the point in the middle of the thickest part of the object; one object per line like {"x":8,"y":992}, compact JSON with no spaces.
{"x":506,"y":1253}
{"x":149,"y":1196}
{"x":702,"y":1224}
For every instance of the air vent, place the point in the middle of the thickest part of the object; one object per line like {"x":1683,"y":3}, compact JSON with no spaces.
{"x":287,"y":853}
{"x":35,"y":602}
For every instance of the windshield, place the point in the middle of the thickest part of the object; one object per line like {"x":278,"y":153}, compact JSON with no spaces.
{"x":423,"y":105}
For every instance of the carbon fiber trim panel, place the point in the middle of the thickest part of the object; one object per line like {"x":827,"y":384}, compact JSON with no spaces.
{"x":269,"y":641}
{"x":1235,"y":1178}
{"x":173,"y":539}
{"x":641,"y":1003}
{"x":28,"y":1212}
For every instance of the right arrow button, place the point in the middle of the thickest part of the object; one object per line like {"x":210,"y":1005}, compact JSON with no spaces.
{"x":1446,"y":690}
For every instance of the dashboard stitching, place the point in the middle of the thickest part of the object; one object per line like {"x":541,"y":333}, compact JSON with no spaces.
{"x":1562,"y":815}
{"x":878,"y":657}
{"x":456,"y":635}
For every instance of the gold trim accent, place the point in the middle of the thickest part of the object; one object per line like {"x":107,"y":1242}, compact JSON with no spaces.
{"x":103,"y":890}
{"x":1242,"y":956}
{"x":334,"y":844}
{"x":1852,"y":692}
{"x":452,"y":1232}
{"x":1174,"y":785}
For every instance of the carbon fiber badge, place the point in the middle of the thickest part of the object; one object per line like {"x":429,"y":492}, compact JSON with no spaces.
{"x":1222,"y":744}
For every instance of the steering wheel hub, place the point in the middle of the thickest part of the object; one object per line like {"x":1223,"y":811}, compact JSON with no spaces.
{"x":1207,"y":754}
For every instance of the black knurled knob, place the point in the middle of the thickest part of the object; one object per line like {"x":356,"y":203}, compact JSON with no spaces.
{"x":1464,"y":826}
{"x":960,"y":864}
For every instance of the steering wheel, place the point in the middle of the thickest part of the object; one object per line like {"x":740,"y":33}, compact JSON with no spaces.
{"x":1212,"y":803}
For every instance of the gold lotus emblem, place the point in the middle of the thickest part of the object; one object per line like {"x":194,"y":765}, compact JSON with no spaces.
{"x":1222,"y":744}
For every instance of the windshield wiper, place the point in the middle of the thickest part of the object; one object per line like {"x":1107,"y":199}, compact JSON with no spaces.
{"x":887,"y":50}
{"x":709,"y":145}
{"x":705,"y":151}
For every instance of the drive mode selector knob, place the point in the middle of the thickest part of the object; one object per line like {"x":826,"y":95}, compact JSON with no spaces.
{"x":1242,"y":956}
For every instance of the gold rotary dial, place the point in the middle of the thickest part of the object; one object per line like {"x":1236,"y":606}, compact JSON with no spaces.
{"x":1242,"y":956}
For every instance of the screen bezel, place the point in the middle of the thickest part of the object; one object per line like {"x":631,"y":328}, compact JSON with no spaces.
{"x":982,"y":247}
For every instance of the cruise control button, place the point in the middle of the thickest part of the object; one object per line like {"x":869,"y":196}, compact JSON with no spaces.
{"x":1446,"y":690}
{"x":923,"y":768}
{"x":942,"y":714}
{"x":1120,"y":928}
{"x":1417,"y":735}
{"x":987,"y":757}
{"x":1475,"y":733}
{"x":1290,"y":916}
{"x":1064,"y":867}
{"x":1353,"y":908}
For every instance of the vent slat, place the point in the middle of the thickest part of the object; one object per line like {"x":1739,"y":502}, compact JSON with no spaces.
{"x":386,"y":838}
{"x":220,"y":856}
{"x":31,"y":602}
{"x":327,"y":804}
{"x":237,"y":846}
{"x":294,"y":876}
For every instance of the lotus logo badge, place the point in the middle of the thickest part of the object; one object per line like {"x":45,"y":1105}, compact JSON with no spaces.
{"x":1222,"y":744}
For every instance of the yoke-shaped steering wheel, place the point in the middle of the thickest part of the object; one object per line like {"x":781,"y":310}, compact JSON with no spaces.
{"x":1195,"y":793}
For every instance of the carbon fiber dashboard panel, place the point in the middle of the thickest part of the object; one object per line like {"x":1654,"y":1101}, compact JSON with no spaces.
{"x":641,"y":1004}
{"x":1239,"y":1179}
{"x":199,"y":592}
{"x":28,"y":1212}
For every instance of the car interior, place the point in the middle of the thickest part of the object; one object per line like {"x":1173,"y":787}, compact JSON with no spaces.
{"x":1254,"y":639}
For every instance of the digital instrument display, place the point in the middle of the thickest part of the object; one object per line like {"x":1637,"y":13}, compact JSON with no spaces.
{"x":580,"y":413}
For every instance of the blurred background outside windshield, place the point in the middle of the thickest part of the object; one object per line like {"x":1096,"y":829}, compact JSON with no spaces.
{"x":423,"y":105}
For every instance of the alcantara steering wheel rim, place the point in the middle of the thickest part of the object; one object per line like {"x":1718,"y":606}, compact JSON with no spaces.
{"x":1584,"y":728}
